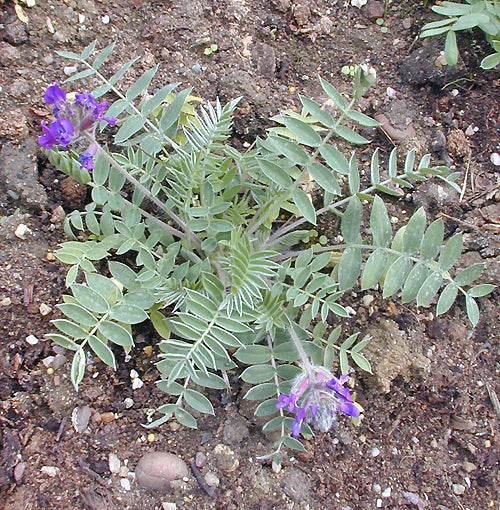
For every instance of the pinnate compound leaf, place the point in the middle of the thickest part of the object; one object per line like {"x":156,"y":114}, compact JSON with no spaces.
{"x":198,"y":401}
{"x":351,"y":220}
{"x":349,"y":267}
{"x":446,"y":299}
{"x":380,"y":223}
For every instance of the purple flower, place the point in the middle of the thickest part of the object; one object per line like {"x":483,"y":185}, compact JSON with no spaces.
{"x":87,"y":158}
{"x":343,"y":394}
{"x":86,"y":100}
{"x":285,"y":400}
{"x":297,"y":423}
{"x":62,"y":129}
{"x":55,"y":96}
{"x":98,"y":114}
{"x":47,"y":140}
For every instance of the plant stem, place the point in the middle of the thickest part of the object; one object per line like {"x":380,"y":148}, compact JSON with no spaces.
{"x":300,"y":350}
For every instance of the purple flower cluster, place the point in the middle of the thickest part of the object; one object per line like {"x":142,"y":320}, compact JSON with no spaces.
{"x":316,"y":398}
{"x":75,"y":122}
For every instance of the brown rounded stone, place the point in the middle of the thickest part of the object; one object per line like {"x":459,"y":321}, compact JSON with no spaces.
{"x":157,"y":470}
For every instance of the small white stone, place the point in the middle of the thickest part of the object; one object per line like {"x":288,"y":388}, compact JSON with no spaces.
{"x":386,"y":493}
{"x":106,"y":19}
{"x":129,"y":402}
{"x":379,"y":503}
{"x":350,"y":310}
{"x":495,"y":159}
{"x":212,"y":479}
{"x":44,"y":309}
{"x":368,"y":300}
{"x":394,"y":219}
{"x":375,"y":452}
{"x":458,"y":489}
{"x":50,"y":471}
{"x":358,"y":3}
{"x":454,"y":92}
{"x":125,"y":483}
{"x":137,"y":383}
{"x":69,"y":70}
{"x":32,"y":339}
{"x":81,"y":18}
{"x":21,"y":230}
{"x":470,"y":130}
{"x":376,"y":488}
{"x":169,"y":506}
{"x":114,"y":463}
{"x":6,"y":301}
{"x":133,"y":374}
{"x":48,"y":361}
{"x":391,"y":92}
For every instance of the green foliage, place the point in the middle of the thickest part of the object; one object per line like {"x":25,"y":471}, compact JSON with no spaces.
{"x":208,"y":259}
{"x":483,"y":14}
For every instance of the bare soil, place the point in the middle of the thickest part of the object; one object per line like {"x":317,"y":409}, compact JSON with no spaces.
{"x":430,"y":436}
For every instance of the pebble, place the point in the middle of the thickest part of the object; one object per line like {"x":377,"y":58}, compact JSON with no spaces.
{"x":59,"y":361}
{"x":48,"y":361}
{"x":114,"y":463}
{"x":212,"y":479}
{"x":379,"y":503}
{"x":391,"y":92}
{"x":21,"y":231}
{"x":387,"y":493}
{"x":6,"y":301}
{"x":375,"y":452}
{"x":15,"y":33}
{"x":226,"y":458}
{"x":50,"y":471}
{"x":80,"y":418}
{"x":125,"y":483}
{"x":169,"y":506}
{"x":108,"y":417}
{"x":368,"y":300}
{"x":123,"y":472}
{"x":411,"y":497}
{"x":106,"y":19}
{"x":81,"y":18}
{"x":69,"y":70}
{"x":495,"y":159}
{"x":44,"y":309}
{"x":32,"y":339}
{"x":458,"y":489}
{"x":469,"y":466}
{"x":19,"y":471}
{"x":376,"y":488}
{"x":200,"y":459}
{"x":151,"y":438}
{"x":196,"y":69}
{"x":157,"y":470}
{"x":137,"y":383}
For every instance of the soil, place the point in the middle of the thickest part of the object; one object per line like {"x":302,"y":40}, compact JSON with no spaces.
{"x":430,"y":436}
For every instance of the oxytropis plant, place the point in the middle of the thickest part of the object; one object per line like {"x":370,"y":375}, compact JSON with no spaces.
{"x":216,"y":247}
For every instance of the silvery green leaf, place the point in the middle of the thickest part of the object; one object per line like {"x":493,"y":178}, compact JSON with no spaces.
{"x":275,"y":423}
{"x":267,"y":407}
{"x":122,"y":273}
{"x":349,"y":267}
{"x":89,"y":298}
{"x":78,"y":368}
{"x":304,"y":133}
{"x":446,"y":299}
{"x":433,"y":238}
{"x":173,"y":111}
{"x":291,"y":150}
{"x":344,"y":362}
{"x":69,"y":55}
{"x":491,"y":61}
{"x":362,"y":119}
{"x":374,"y":168}
{"x":141,"y":84}
{"x":80,"y":76}
{"x":304,"y":205}
{"x":414,"y":233}
{"x":225,"y":337}
{"x":469,"y":274}
{"x":104,"y":286}
{"x":349,"y":341}
{"x":160,"y":324}
{"x":429,"y":289}
{"x":63,"y":341}
{"x":451,"y":251}
{"x":293,"y":444}
{"x":351,"y":220}
{"x":451,"y":48}
{"x":258,"y":374}
{"x":353,"y":175}
{"x":314,"y":109}
{"x":334,"y":159}
{"x":185,"y":418}
{"x":104,"y":353}
{"x":198,"y":401}
{"x":324,"y":177}
{"x":481,"y":290}
{"x":380,"y":223}
{"x":209,"y":380}
{"x":288,"y":372}
{"x":409,"y":162}
{"x":130,"y":128}
{"x":469,"y":21}
{"x":128,"y":314}
{"x":275,"y":173}
{"x":361,"y":361}
{"x":102,"y":56}
{"x":374,"y":269}
{"x":414,"y":282}
{"x":472,"y":310}
{"x":393,"y":163}
{"x":78,"y":314}
{"x":154,"y":102}
{"x":333,"y":94}
{"x":396,"y":275}
{"x":253,"y":354}
{"x":261,"y":391}
{"x":350,"y":135}
{"x":116,"y":333}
